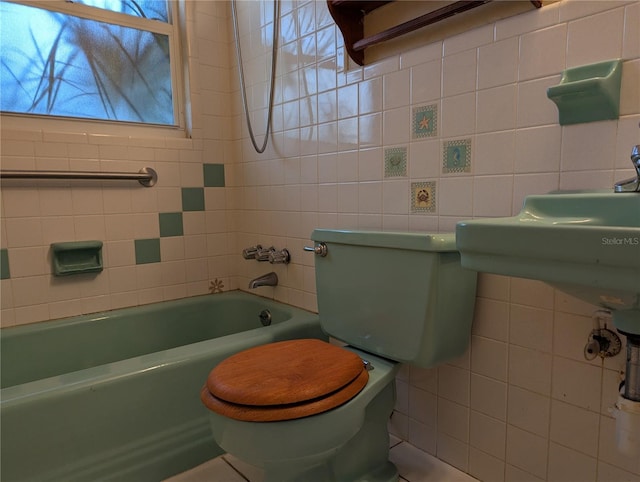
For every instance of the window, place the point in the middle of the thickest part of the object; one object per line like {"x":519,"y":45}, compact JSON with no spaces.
{"x":97,"y":59}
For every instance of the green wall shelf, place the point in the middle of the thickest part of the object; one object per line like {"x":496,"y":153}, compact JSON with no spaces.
{"x":76,"y":257}
{"x":588,"y":93}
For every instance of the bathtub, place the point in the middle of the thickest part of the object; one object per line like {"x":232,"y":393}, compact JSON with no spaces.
{"x":115,"y":395}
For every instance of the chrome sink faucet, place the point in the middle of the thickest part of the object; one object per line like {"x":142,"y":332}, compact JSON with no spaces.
{"x":632,"y":184}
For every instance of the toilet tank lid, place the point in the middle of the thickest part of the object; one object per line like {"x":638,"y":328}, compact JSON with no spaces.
{"x":388,"y":239}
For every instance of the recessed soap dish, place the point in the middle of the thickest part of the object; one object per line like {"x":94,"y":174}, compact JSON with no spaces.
{"x":588,"y":93}
{"x":76,"y":257}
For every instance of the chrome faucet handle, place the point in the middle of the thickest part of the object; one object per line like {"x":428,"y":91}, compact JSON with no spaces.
{"x":263,"y":254}
{"x":250,"y":253}
{"x":280,"y":257}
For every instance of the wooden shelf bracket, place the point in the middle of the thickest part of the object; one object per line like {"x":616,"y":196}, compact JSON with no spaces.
{"x":349,"y":16}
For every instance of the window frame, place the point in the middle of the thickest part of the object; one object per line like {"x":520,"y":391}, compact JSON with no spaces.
{"x":172,"y":29}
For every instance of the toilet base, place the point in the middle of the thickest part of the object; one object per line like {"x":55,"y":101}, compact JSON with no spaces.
{"x":364,"y":457}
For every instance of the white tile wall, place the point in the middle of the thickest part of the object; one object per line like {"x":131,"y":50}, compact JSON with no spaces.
{"x":35,"y":216}
{"x":522,"y":404}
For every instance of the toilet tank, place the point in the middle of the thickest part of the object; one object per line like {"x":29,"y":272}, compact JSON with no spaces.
{"x":403,"y":296}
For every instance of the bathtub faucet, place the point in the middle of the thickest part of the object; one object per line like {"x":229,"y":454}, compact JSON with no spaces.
{"x":269,"y":279}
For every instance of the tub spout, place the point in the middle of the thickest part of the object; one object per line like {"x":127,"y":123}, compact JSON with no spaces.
{"x":269,"y":279}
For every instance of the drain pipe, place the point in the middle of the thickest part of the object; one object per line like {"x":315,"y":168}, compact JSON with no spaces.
{"x":627,"y":409}
{"x":632,"y":378}
{"x":605,"y":343}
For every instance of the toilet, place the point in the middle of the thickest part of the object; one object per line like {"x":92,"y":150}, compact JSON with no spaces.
{"x":309,"y":410}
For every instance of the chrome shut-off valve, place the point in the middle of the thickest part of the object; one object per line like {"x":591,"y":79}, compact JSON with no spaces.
{"x":602,"y":341}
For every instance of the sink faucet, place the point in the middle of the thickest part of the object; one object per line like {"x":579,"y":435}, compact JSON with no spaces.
{"x":632,"y":184}
{"x":269,"y":279}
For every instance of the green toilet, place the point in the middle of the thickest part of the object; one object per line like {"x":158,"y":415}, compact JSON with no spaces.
{"x":308,"y":410}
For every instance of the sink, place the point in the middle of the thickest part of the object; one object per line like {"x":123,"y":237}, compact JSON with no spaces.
{"x":586,"y":244}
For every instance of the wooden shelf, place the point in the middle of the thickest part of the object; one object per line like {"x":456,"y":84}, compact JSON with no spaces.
{"x":349,"y":16}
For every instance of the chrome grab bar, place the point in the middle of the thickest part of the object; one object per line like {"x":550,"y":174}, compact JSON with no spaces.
{"x":145,"y":176}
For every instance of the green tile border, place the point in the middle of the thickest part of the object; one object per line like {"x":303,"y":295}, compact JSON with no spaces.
{"x":193,"y":199}
{"x":147,"y":250}
{"x":456,"y":156}
{"x":170,"y":224}
{"x":213,"y":175}
{"x":5,"y":273}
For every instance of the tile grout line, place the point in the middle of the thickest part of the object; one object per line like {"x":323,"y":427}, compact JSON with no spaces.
{"x":235,"y":469}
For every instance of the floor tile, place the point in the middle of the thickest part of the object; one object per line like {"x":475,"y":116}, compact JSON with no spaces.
{"x":215,"y":470}
{"x":253,"y":474}
{"x":415,"y":465}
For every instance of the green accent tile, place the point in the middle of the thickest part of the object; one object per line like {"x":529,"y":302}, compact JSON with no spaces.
{"x":456,"y":156}
{"x":213,"y":175}
{"x":395,"y":162}
{"x":193,"y":199}
{"x":4,"y":264}
{"x":170,"y":224}
{"x":425,"y":121}
{"x":147,"y":250}
{"x":423,"y":197}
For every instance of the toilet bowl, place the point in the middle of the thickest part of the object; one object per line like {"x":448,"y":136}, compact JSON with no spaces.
{"x":308,"y":410}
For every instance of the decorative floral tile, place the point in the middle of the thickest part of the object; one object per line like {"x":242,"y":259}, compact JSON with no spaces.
{"x":395,"y":162}
{"x":456,"y":156}
{"x":216,"y":286}
{"x":425,"y":121}
{"x":423,"y":197}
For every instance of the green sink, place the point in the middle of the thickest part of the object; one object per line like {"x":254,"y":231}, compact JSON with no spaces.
{"x":586,"y":244}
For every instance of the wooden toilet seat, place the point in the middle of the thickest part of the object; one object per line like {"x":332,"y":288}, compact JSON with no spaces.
{"x":284,"y":380}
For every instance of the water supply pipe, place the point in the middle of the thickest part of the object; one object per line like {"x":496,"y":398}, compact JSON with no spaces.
{"x":632,"y":370}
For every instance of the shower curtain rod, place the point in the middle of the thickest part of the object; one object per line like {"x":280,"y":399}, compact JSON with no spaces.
{"x":145,"y":176}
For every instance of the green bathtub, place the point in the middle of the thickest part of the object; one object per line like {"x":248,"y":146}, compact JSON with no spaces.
{"x":115,"y":395}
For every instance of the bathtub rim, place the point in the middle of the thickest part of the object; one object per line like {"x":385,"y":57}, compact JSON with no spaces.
{"x":84,"y":378}
{"x":46,"y":325}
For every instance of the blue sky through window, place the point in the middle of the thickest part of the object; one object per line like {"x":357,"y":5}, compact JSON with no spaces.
{"x":62,"y":65}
